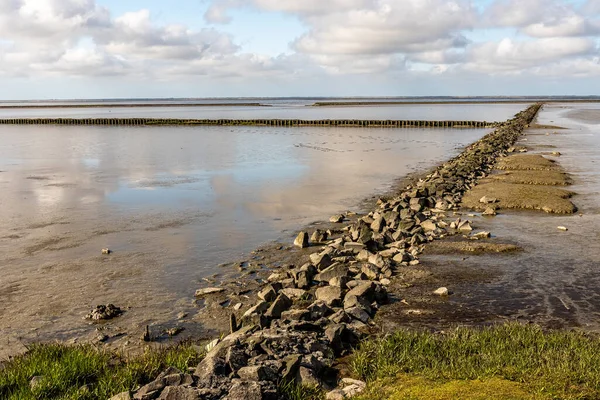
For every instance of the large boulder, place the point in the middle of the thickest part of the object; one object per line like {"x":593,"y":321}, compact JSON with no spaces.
{"x":331,"y":295}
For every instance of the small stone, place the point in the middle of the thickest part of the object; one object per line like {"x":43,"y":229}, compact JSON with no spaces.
{"x":563,"y":228}
{"x":174,"y":331}
{"x":281,"y":303}
{"x":385,"y":282}
{"x":259,"y":308}
{"x":556,"y":153}
{"x":293,"y":293}
{"x":182,"y":315}
{"x":268,"y":293}
{"x":482,"y":235}
{"x":370,"y":271}
{"x":359,"y":314}
{"x":301,"y":240}
{"x":443,"y":291}
{"x":318,"y":236}
{"x":336,"y":219}
{"x":237,"y":306}
{"x":103,"y":312}
{"x":207,"y":291}
{"x":106,"y":251}
{"x":489,"y":212}
{"x":339,"y":281}
{"x":321,"y":260}
{"x":488,"y":200}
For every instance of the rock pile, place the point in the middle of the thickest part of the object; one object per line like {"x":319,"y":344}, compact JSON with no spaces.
{"x":103,"y":312}
{"x":307,"y":316}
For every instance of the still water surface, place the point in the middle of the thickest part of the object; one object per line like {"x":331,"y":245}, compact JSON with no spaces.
{"x":172,"y":203}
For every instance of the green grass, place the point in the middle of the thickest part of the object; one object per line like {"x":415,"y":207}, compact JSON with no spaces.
{"x":293,"y":391}
{"x":552,"y":364}
{"x":84,"y":372}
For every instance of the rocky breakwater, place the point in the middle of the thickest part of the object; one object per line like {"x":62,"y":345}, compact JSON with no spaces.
{"x":307,"y":316}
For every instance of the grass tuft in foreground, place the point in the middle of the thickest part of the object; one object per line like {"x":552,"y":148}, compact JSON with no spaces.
{"x":509,"y":361}
{"x":84,"y":372}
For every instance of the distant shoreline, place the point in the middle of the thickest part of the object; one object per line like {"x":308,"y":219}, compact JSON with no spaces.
{"x":449,"y":102}
{"x":125,"y":105}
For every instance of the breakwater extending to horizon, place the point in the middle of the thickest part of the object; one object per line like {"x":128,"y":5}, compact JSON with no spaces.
{"x":251,"y":122}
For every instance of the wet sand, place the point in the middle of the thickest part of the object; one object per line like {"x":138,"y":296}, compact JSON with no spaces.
{"x":172,"y":204}
{"x":554,"y":280}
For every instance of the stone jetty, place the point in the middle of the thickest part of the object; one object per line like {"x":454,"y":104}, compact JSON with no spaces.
{"x":308,"y":315}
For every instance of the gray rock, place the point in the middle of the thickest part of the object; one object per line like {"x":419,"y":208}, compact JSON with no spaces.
{"x":268,"y":293}
{"x":318,"y":236}
{"x":489,"y":212}
{"x":295,"y":315}
{"x":331,"y":295}
{"x":488,"y":200}
{"x":336,"y":270}
{"x":307,"y":377}
{"x":355,"y":246}
{"x":210,"y":369}
{"x":259,"y":308}
{"x":321,"y":260}
{"x":179,"y":393}
{"x":245,"y":390}
{"x":365,"y":290}
{"x":301,"y":240}
{"x":292,"y":364}
{"x":370,"y":271}
{"x":177,"y":380}
{"x":281,"y":303}
{"x":443,"y":291}
{"x":355,"y":301}
{"x":303,"y":279}
{"x":340,"y":317}
{"x":401,"y":257}
{"x":236,"y":358}
{"x":336,"y":219}
{"x":378,"y":224}
{"x":339,"y":281}
{"x":257,"y":373}
{"x":319,"y":309}
{"x":428,"y":225}
{"x":293,"y":293}
{"x":148,"y":391}
{"x":359,"y":314}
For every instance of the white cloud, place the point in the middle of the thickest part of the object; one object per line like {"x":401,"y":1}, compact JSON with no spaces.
{"x":510,"y":56}
{"x":341,"y":37}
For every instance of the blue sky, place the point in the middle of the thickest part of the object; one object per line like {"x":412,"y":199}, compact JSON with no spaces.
{"x":224,"y":48}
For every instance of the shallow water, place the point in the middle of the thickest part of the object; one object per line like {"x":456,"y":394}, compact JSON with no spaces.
{"x":172,"y":203}
{"x":556,"y":279}
{"x":452,"y":112}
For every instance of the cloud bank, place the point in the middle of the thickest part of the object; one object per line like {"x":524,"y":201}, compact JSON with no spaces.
{"x":367,"y":38}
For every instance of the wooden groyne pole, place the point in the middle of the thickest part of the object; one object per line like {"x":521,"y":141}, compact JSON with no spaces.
{"x":251,"y":122}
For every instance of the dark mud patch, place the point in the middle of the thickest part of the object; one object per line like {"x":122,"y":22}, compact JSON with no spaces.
{"x":542,"y":126}
{"x":168,"y":225}
{"x":587,"y":115}
{"x":62,"y":185}
{"x":52,"y":244}
{"x":12,"y":237}
{"x":414,"y":305}
{"x":472,"y":247}
{"x":41,"y":225}
{"x":38,"y":178}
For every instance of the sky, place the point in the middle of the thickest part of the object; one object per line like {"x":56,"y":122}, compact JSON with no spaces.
{"x":70,"y":49}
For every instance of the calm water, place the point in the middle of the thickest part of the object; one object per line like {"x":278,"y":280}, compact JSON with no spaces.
{"x":286,"y":110}
{"x":174,"y":202}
